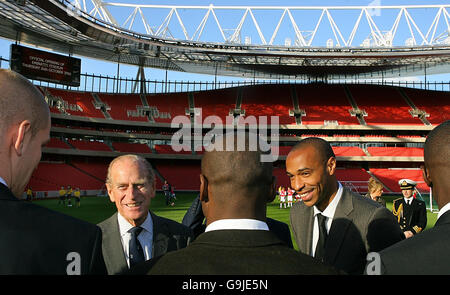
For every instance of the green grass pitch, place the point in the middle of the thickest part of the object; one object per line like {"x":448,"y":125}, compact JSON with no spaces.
{"x":97,"y":209}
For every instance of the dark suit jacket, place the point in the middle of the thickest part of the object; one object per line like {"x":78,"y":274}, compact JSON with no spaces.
{"x":194,"y":219}
{"x":236,"y":252}
{"x":168,"y":235}
{"x":36,"y":240}
{"x":427,"y":253}
{"x":360,"y":226}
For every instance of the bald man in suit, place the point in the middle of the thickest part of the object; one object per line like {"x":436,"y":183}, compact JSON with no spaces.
{"x":429,"y":252}
{"x":35,"y":240}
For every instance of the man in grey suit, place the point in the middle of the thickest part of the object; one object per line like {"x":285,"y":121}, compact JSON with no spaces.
{"x":331,"y":223}
{"x":134,"y":234}
{"x":429,"y":252}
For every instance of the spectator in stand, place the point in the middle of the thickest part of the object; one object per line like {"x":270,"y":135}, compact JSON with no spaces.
{"x":332,"y":223}
{"x":134,"y":234}
{"x":235,"y":187}
{"x":375,"y":190}
{"x":33,"y":239}
{"x":429,"y":252}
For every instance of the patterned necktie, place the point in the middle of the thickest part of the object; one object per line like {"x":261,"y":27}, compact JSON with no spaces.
{"x":320,"y":247}
{"x":136,"y":253}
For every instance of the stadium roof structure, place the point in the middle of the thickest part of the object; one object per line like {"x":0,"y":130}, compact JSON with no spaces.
{"x":74,"y":28}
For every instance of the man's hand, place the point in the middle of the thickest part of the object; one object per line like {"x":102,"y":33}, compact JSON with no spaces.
{"x":408,"y":234}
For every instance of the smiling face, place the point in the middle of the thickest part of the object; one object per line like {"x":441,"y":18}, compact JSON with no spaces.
{"x":311,"y":176}
{"x":130,"y":188}
{"x":407,"y":193}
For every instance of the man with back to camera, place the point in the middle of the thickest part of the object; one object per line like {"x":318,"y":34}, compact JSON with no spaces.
{"x":134,"y":234}
{"x":331,"y":223}
{"x":429,"y":252}
{"x":235,"y":188}
{"x":33,"y":239}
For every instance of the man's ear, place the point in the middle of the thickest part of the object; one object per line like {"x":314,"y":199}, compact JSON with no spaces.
{"x":153,"y":189}
{"x":426,"y":174}
{"x":109,"y":190}
{"x":203,"y":188}
{"x":19,"y":136}
{"x":273,"y":190}
{"x":331,"y":165}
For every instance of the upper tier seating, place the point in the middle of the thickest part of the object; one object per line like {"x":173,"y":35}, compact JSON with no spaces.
{"x":123,"y":106}
{"x":323,"y":102}
{"x":216,"y":102}
{"x":168,"y":106}
{"x":435,"y":103}
{"x":383,"y":105}
{"x":268,"y":100}
{"x":75,"y":103}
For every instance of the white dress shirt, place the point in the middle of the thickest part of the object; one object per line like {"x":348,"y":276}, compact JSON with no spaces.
{"x":443,"y":210}
{"x":145,"y":237}
{"x":247,"y":224}
{"x":409,"y":200}
{"x":328,"y":213}
{"x":3,"y":181}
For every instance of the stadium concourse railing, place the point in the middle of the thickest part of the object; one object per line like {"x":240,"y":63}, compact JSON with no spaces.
{"x":107,"y":84}
{"x":112,"y":84}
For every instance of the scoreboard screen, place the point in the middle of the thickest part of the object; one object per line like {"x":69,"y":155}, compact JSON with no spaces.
{"x":45,"y":66}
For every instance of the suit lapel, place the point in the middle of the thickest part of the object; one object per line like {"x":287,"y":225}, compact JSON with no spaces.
{"x":307,"y":231}
{"x":340,"y":225}
{"x":112,"y":246}
{"x":6,"y":194}
{"x":443,"y":219}
{"x":160,"y":236}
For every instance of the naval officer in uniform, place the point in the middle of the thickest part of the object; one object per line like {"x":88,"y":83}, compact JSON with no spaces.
{"x":411,"y":213}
